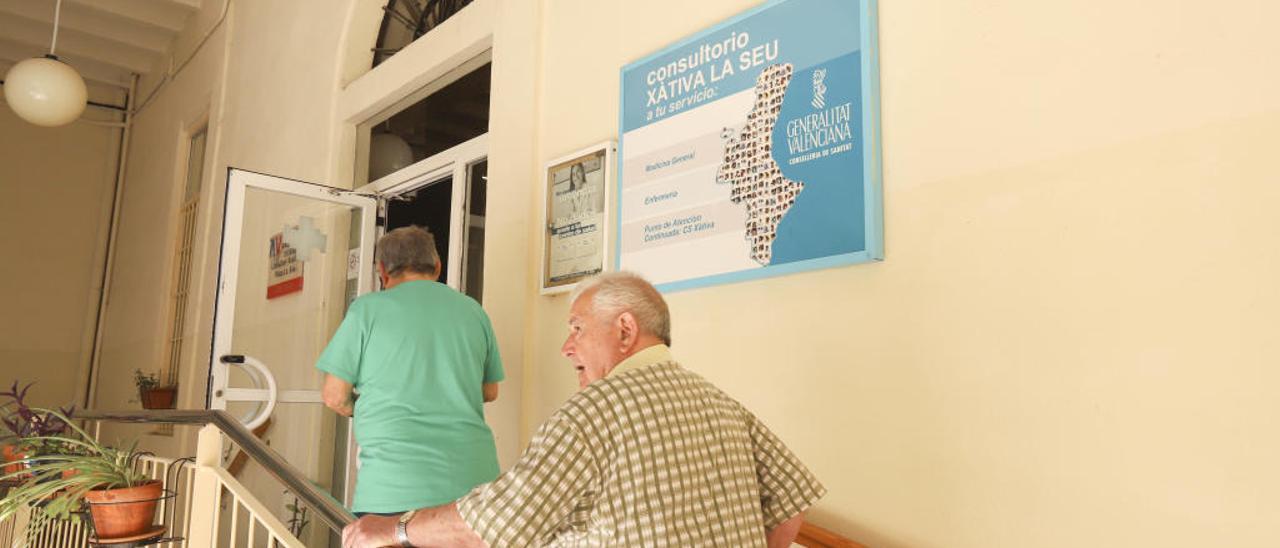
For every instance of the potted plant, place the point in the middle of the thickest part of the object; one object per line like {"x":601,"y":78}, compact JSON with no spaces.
{"x":75,"y":470}
{"x":152,"y":393}
{"x":24,"y":422}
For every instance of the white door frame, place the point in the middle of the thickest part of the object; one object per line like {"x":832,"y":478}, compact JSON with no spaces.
{"x":452,"y":162}
{"x":238,"y":182}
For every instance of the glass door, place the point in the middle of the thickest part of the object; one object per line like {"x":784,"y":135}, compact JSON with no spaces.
{"x":294,"y":255}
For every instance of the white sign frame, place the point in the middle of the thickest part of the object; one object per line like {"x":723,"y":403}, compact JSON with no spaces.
{"x":610,"y":150}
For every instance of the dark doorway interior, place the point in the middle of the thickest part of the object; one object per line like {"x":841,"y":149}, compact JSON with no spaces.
{"x":427,"y":207}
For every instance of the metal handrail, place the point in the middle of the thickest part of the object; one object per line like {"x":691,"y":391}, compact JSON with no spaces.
{"x":327,"y":508}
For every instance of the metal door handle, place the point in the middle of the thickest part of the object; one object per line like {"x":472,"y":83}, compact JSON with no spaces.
{"x":260,"y":375}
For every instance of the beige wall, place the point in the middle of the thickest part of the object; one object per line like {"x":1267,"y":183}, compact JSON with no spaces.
{"x":1068,"y":342}
{"x":1072,"y":338}
{"x":55,"y":199}
{"x":136,"y":321}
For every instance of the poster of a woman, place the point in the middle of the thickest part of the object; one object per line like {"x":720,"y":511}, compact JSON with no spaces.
{"x":576,"y":237}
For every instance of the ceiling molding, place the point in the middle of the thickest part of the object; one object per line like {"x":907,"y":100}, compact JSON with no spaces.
{"x":111,"y":27}
{"x":111,"y":75}
{"x":191,"y":5}
{"x":75,"y":46}
{"x":164,"y":14}
{"x":108,"y":41}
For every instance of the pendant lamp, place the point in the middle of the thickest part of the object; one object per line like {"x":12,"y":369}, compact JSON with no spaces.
{"x":44,"y":90}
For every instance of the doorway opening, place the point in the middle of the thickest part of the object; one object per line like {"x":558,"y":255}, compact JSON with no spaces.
{"x":427,"y":207}
{"x":452,"y":207}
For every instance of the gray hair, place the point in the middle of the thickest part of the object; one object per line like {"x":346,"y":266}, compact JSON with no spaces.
{"x":409,"y":248}
{"x":618,"y":292}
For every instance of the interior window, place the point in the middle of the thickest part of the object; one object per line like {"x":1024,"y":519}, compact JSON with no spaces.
{"x":404,"y":21}
{"x":448,"y":116}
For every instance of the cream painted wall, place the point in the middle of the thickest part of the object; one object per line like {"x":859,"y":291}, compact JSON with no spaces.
{"x":1071,"y":340}
{"x":53,"y":219}
{"x":507,"y":299}
{"x":138,"y":303}
{"x":1067,"y":343}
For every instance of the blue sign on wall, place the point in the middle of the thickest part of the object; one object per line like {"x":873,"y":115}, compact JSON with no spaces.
{"x":752,"y":149}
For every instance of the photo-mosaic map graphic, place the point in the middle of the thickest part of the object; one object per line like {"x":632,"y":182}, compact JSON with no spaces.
{"x":755,"y":180}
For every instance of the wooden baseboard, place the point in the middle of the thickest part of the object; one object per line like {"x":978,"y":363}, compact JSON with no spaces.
{"x":812,"y":536}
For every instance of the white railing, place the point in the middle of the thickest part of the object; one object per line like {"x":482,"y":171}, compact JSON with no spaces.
{"x":205,"y":512}
{"x":6,"y":531}
{"x":178,"y":476}
{"x":209,"y":526}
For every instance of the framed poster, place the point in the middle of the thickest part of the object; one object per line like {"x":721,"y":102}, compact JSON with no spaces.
{"x":576,"y":239}
{"x":752,"y":148}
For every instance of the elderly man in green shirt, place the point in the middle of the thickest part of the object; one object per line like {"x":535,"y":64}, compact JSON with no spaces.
{"x":414,"y":364}
{"x":647,"y":453}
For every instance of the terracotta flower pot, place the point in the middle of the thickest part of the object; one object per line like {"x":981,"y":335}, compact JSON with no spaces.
{"x":158,"y":398}
{"x":11,"y":456}
{"x":123,"y":512}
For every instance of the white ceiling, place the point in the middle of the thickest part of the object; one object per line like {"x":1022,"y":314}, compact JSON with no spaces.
{"x":106,"y":40}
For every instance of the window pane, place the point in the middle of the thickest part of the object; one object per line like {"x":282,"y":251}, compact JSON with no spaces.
{"x":195,"y":163}
{"x":451,"y":116}
{"x":473,"y":259}
{"x":404,"y":21}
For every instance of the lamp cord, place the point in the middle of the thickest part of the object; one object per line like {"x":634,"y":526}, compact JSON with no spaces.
{"x":57,"y":10}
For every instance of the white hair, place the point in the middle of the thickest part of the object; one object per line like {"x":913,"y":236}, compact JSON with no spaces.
{"x":613,"y":293}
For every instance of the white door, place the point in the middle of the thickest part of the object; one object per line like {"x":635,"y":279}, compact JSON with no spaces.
{"x":294,"y":255}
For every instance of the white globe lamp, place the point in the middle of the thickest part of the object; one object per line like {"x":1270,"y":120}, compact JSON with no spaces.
{"x":45,"y":91}
{"x":388,"y":153}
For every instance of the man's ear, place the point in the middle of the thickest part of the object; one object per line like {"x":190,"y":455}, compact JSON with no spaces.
{"x":628,"y":331}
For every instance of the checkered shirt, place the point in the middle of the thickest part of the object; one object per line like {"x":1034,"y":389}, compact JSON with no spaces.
{"x":652,"y":455}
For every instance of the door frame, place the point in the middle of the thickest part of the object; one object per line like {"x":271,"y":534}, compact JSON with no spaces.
{"x":455,"y":162}
{"x":238,"y":182}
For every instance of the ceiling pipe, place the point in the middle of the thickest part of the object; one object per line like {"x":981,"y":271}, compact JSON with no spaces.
{"x":97,"y":104}
{"x":172,"y":72}
{"x":90,"y":370}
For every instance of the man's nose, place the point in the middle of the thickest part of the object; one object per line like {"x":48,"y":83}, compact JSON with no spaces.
{"x":566,"y":349}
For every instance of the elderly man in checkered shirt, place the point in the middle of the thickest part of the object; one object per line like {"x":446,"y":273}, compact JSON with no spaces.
{"x":647,"y":453}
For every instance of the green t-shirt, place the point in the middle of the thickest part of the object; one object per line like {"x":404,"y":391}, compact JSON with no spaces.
{"x":417,"y":354}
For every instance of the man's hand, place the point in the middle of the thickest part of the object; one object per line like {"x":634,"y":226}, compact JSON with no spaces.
{"x":783,"y":534}
{"x":338,"y":395}
{"x":371,"y":532}
{"x":437,"y":526}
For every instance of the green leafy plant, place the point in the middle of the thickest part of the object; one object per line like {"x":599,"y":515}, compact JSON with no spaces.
{"x":298,"y":520}
{"x":59,"y":481}
{"x":25,"y":425}
{"x":145,"y":381}
{"x":152,"y":393}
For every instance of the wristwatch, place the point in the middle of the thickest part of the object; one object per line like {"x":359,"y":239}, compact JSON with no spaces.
{"x":402,"y":528}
